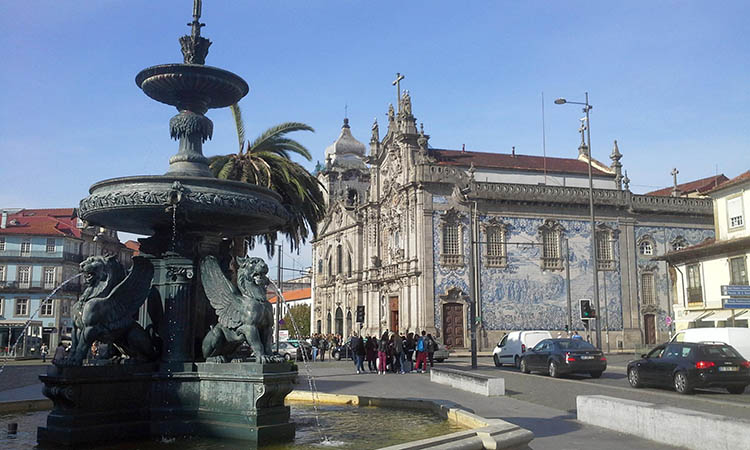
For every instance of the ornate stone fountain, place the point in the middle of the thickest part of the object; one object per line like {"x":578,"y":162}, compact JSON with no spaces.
{"x":178,"y":290}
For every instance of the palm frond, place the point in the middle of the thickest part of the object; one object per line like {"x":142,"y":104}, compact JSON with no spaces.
{"x":240,"y":124}
{"x":276,"y":132}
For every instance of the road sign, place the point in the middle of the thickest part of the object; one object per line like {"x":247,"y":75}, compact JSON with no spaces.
{"x":737,"y":303}
{"x":735,"y":290}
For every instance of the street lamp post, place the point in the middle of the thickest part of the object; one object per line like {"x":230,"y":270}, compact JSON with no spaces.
{"x":586,"y":108}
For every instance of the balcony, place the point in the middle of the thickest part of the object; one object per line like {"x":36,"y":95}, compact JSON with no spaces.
{"x":605,"y":264}
{"x":451,"y":260}
{"x":19,"y":254}
{"x":73,"y":286}
{"x":552,"y":263}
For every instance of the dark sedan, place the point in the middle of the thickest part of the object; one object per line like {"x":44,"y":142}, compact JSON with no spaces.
{"x":686,"y":366}
{"x":561,"y":356}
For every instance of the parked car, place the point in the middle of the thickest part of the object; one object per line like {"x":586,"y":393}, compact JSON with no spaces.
{"x":687,"y":365}
{"x":739,"y":338}
{"x":342,"y":351}
{"x":514,"y":344}
{"x":441,"y":353}
{"x":561,"y":356}
{"x":287,"y":350}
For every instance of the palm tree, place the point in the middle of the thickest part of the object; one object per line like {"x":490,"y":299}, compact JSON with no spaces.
{"x":267,"y":162}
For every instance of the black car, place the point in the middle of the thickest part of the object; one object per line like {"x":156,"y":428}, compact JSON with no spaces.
{"x":686,"y":365}
{"x":561,"y":356}
{"x":342,"y":351}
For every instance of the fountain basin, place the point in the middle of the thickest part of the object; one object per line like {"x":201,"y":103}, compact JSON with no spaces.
{"x":181,"y":85}
{"x":143,"y":205}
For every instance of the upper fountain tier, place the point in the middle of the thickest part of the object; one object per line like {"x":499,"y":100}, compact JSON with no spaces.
{"x":188,"y":196}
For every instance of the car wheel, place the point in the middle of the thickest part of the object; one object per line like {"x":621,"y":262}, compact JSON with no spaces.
{"x":736,"y":389}
{"x":440,"y":360}
{"x":681,"y":383}
{"x":524,"y":367}
{"x":287,"y":357}
{"x":517,"y":362}
{"x":596,"y":374}
{"x":337,"y":356}
{"x":553,"y":372}
{"x":634,"y":378}
{"x":497,"y":360}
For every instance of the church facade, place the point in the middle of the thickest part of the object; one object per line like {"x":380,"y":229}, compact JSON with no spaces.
{"x":397,"y":239}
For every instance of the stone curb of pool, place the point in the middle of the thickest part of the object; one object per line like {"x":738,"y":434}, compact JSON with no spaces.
{"x":482,"y":433}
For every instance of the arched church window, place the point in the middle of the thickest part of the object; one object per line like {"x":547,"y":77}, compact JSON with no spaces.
{"x":320,"y":267}
{"x":451,"y":240}
{"x":646,"y":248}
{"x":605,"y":259}
{"x":328,"y":323}
{"x":349,"y":265}
{"x":339,"y":259}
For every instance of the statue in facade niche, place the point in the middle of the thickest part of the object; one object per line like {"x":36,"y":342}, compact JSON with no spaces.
{"x":245,"y":315}
{"x":106,"y":308}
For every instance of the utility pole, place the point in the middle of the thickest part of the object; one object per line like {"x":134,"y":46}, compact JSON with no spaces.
{"x":280,"y":286}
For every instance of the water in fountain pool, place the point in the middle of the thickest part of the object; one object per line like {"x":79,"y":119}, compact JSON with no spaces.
{"x":350,"y":427}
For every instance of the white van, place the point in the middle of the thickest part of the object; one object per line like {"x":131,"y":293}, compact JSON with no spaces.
{"x":514,"y":344}
{"x":739,"y":338}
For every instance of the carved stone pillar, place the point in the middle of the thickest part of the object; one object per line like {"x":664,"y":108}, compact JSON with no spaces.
{"x":173,"y":278}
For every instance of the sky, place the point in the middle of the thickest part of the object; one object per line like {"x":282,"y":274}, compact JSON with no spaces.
{"x":668,"y":80}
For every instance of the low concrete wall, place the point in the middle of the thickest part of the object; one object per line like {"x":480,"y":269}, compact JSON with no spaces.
{"x":470,"y":382}
{"x":665,"y":424}
{"x":23,"y":406}
{"x":493,"y":434}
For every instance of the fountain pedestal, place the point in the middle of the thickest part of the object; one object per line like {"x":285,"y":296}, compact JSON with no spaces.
{"x":96,"y":404}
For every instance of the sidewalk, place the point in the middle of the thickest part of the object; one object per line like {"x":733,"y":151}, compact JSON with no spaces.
{"x":553,"y":429}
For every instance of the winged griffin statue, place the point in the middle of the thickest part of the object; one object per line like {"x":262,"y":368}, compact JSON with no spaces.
{"x":105,"y":310}
{"x":244,"y":313}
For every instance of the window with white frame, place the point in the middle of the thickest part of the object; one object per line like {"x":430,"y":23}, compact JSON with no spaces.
{"x":735,"y":215}
{"x":50,"y":248}
{"x":3,"y":272}
{"x":694,"y":285}
{"x":24,"y":277}
{"x":26,"y":247}
{"x":49,"y":277}
{"x":2,"y":306}
{"x":679,"y":243}
{"x":2,"y":243}
{"x":496,"y":248}
{"x":605,"y":259}
{"x":48,"y":308}
{"x":551,"y":233}
{"x":646,"y":247}
{"x":450,"y":254}
{"x":647,"y":289}
{"x":22,"y":307}
{"x":738,"y":270}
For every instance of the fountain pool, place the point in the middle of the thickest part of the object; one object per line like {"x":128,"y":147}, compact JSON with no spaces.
{"x":352,"y":426}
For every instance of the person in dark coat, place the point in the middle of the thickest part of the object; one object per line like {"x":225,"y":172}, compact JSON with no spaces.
{"x":358,"y":351}
{"x":371,"y":353}
{"x":383,"y":353}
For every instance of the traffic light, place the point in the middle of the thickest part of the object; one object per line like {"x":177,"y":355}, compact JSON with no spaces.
{"x":361,"y":313}
{"x":586,"y":311}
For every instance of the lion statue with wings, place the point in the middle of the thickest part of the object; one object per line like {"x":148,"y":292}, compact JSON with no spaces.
{"x":105,"y":310}
{"x":244,"y":313}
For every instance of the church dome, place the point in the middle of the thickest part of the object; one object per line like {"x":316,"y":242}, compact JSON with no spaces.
{"x":346,"y":151}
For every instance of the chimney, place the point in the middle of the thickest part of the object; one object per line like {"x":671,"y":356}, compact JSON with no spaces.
{"x":4,"y":223}
{"x":463,"y":147}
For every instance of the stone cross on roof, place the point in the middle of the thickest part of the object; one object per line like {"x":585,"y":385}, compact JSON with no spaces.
{"x":675,"y":191}
{"x":397,"y":83}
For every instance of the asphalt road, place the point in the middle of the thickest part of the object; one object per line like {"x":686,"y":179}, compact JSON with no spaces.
{"x":561,"y":393}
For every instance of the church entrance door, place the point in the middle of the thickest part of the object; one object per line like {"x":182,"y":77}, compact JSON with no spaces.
{"x":650,"y":326}
{"x":393,"y":307}
{"x":339,"y":321}
{"x":453,"y":324}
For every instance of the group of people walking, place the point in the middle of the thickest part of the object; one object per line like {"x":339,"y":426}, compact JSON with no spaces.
{"x":393,"y":352}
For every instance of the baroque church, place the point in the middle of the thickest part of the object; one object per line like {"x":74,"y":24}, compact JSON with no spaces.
{"x":397,"y":239}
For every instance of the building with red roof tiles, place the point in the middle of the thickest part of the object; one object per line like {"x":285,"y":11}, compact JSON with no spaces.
{"x":40,"y":250}
{"x":405,"y":219}
{"x":697,"y":188}
{"x":705,"y":276}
